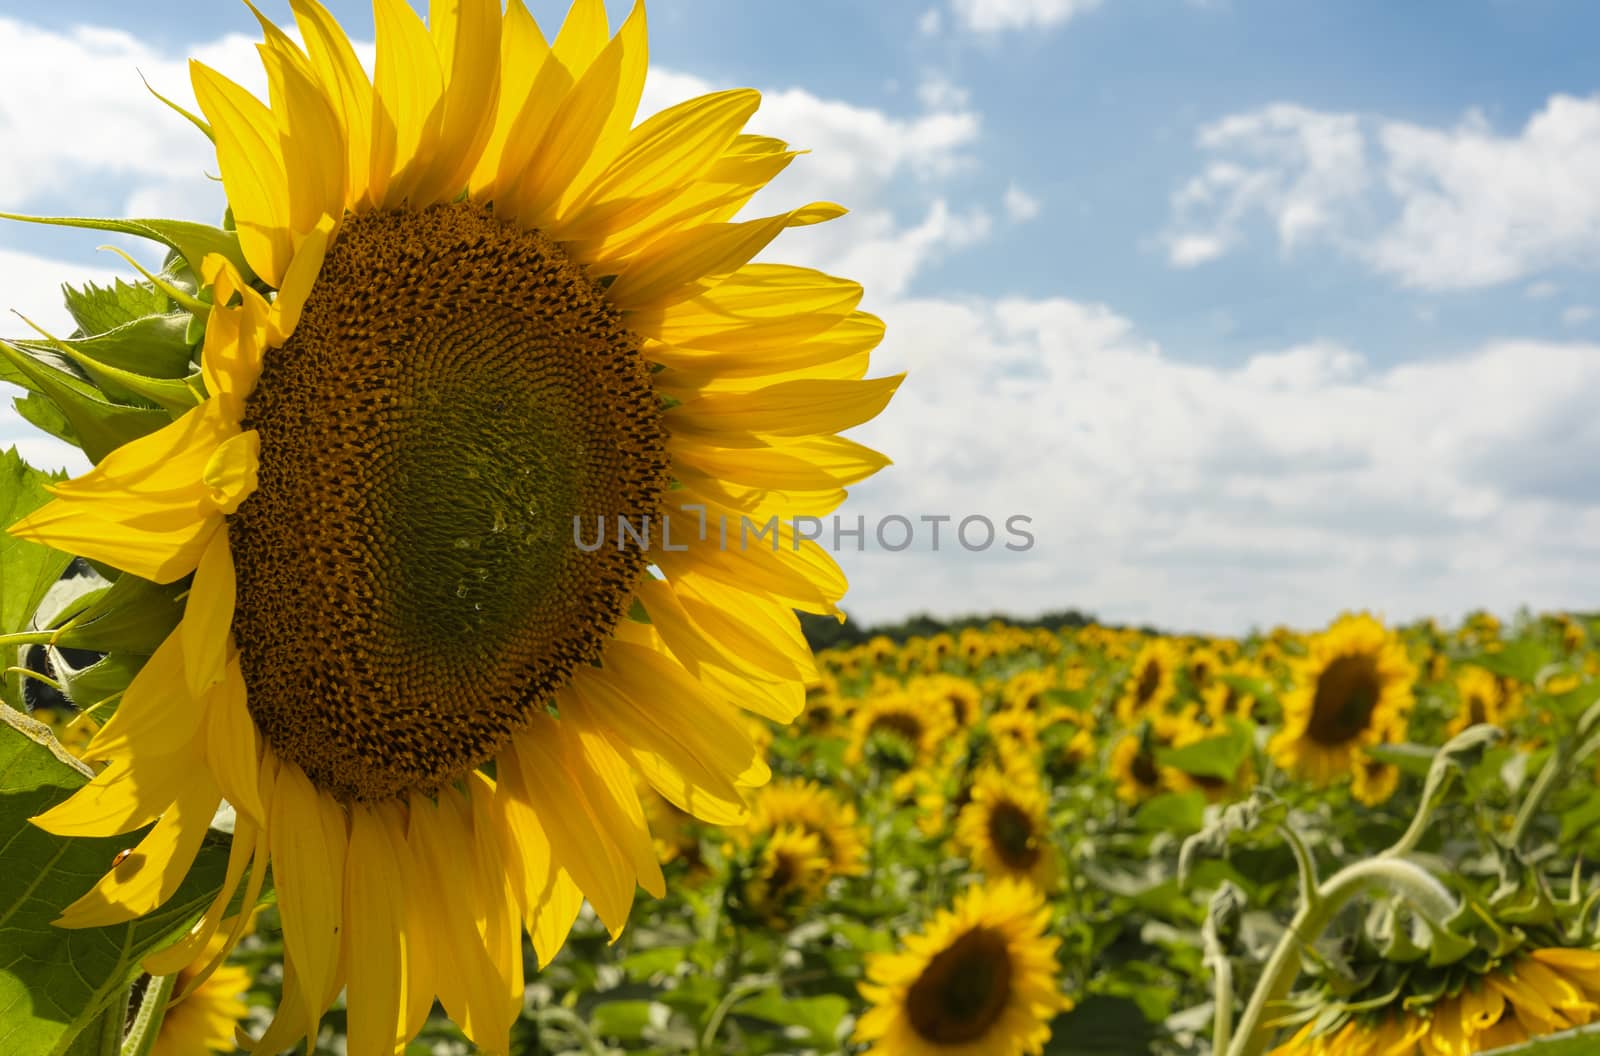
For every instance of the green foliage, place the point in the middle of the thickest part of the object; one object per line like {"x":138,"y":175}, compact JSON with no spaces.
{"x":55,"y":982}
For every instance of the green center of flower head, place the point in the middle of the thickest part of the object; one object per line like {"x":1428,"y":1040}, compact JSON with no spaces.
{"x":963,"y":991}
{"x":456,"y":393}
{"x":1346,"y":694}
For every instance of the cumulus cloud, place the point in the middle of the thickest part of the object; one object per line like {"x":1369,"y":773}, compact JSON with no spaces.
{"x":1436,"y":208}
{"x":1300,"y":482}
{"x":992,"y":16}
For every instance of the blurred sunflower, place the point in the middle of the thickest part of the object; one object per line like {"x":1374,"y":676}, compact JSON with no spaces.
{"x":207,"y":1008}
{"x":786,"y":878}
{"x":808,"y":807}
{"x":1152,"y":681}
{"x":1482,"y":699}
{"x":1544,"y":992}
{"x":1133,"y":764}
{"x":896,"y":731}
{"x":469,"y":305}
{"x":963,"y":698}
{"x":1351,"y":690}
{"x":1005,"y":829}
{"x":979,"y":980}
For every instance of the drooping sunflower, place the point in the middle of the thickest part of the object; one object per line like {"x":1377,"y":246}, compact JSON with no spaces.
{"x":808,"y":807}
{"x":1352,"y":689}
{"x":1543,"y":992}
{"x":1005,"y":829}
{"x":979,"y":980}
{"x":469,"y":318}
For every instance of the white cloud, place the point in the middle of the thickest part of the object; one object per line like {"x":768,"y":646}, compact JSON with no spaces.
{"x":1020,"y":205}
{"x":1298,"y":483}
{"x":939,"y":92}
{"x":930,"y":22}
{"x":991,"y":16}
{"x":1436,"y":208}
{"x":1577,"y":314}
{"x":1542,"y":289}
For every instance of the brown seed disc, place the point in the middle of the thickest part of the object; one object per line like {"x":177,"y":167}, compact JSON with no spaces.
{"x":963,"y":991}
{"x":456,"y":392}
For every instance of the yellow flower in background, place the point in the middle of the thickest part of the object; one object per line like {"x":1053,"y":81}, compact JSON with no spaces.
{"x":787,"y":878}
{"x":806,"y":806}
{"x":901,"y":729}
{"x":207,"y":1007}
{"x":1152,"y":681}
{"x":963,"y":699}
{"x":979,"y":980}
{"x":1481,"y":699}
{"x":1543,"y":992}
{"x":1005,"y":829}
{"x":1351,"y":690}
{"x":1133,"y":763}
{"x":471,"y":304}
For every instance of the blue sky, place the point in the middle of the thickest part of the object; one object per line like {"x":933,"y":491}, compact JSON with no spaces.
{"x":1260,"y":309}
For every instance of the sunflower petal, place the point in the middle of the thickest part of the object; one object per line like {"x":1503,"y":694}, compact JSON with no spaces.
{"x":253,"y":174}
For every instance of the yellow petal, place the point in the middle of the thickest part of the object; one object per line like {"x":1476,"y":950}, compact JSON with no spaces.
{"x":760,"y":309}
{"x":467,"y":36}
{"x":309,"y":846}
{"x":297,"y":283}
{"x":689,"y":263}
{"x":208,"y":616}
{"x":787,"y":409}
{"x":813,"y":463}
{"x":156,"y":716}
{"x":374,"y":936}
{"x":406,"y":89}
{"x":230,"y":472}
{"x":233,"y":748}
{"x":253,"y":174}
{"x":152,"y":871}
{"x":185,"y":951}
{"x":346,"y":85}
{"x":632,"y":40}
{"x":582,"y":35}
{"x":523,"y":56}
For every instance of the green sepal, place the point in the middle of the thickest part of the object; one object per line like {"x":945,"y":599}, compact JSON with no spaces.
{"x":99,"y":426}
{"x":175,"y":397}
{"x":44,"y":416}
{"x":155,"y":346}
{"x":193,"y":241}
{"x":131,"y":615}
{"x":90,"y":687}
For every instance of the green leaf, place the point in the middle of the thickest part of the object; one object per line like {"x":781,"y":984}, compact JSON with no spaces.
{"x":27,"y":570}
{"x":1580,"y":1042}
{"x":622,"y":1020}
{"x":819,"y":1017}
{"x":41,"y":413}
{"x":1101,"y":1026}
{"x":54,"y":982}
{"x":97,"y":309}
{"x":1521,"y":659}
{"x":192,"y":241}
{"x":1179,"y":813}
{"x":99,"y":425}
{"x":1218,"y":757}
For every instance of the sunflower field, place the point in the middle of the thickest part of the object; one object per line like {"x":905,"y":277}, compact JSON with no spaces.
{"x":380,"y":684}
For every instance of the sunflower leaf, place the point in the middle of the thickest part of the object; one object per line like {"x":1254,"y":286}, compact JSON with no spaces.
{"x":190,"y":240}
{"x":156,"y":346}
{"x":55,"y":982}
{"x":27,"y":569}
{"x":98,"y":309}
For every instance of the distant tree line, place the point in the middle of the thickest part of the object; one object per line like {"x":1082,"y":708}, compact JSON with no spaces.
{"x":825,"y":632}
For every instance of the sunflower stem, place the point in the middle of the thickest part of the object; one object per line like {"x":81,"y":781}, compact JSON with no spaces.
{"x":1553,"y":768}
{"x":141,"y":1037}
{"x":573,"y":1022}
{"x":1313,"y":916}
{"x":708,"y":1037}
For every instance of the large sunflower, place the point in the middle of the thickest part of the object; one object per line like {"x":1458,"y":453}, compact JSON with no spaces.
{"x":469,"y":306}
{"x":1352,"y":690}
{"x":979,"y":980}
